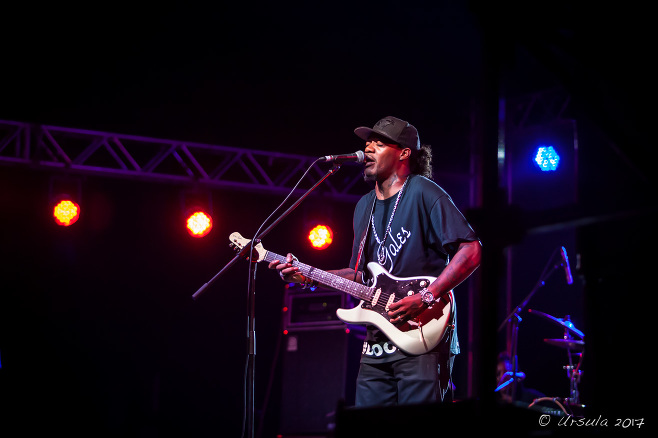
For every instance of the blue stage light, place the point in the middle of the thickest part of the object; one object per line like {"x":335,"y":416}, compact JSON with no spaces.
{"x":547,"y":158}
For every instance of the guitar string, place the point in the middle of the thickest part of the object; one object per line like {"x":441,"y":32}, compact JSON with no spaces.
{"x":360,"y":290}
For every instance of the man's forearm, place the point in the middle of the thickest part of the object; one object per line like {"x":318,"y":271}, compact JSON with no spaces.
{"x":465,"y":261}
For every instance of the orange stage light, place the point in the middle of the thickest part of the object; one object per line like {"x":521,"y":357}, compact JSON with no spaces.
{"x":199,"y":224}
{"x":321,"y":237}
{"x":66,"y":212}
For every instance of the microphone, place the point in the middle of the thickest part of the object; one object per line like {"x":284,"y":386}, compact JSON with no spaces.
{"x":357,"y":156}
{"x":565,"y":265}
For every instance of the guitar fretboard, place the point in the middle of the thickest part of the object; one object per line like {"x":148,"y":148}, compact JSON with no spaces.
{"x":353,"y":288}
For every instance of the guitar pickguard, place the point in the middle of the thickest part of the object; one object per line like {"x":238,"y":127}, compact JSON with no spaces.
{"x":398,"y":289}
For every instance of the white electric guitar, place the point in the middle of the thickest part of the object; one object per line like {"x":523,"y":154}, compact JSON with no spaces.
{"x":416,"y":336}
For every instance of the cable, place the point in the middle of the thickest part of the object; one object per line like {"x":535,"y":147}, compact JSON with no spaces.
{"x":244,"y":398}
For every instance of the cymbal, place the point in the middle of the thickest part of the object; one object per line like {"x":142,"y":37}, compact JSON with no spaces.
{"x":560,"y":321}
{"x":569,"y":344}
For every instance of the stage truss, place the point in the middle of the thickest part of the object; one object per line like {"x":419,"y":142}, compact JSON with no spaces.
{"x":78,"y":151}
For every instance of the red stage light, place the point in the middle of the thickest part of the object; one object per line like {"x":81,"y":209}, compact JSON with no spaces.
{"x":199,"y":224}
{"x":66,"y":212}
{"x":321,"y":237}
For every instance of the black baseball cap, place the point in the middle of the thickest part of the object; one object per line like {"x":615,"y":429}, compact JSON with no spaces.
{"x":394,"y":129}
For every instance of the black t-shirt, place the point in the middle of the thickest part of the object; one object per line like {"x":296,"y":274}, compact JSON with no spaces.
{"x":426,"y":230}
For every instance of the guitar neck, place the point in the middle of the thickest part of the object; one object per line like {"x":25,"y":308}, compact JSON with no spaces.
{"x":353,"y":288}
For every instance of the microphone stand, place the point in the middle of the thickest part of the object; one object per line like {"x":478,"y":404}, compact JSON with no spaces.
{"x":515,"y":319}
{"x":251,"y":329}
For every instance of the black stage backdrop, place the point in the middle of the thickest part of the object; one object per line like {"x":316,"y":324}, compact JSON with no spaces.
{"x":98,"y":330}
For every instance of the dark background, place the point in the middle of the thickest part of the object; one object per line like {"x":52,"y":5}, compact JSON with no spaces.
{"x":98,"y":331}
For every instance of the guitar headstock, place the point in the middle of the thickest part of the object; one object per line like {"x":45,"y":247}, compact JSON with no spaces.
{"x":239,"y":243}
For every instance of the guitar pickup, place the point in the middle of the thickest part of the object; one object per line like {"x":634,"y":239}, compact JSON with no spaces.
{"x":390,"y":301}
{"x":378,"y":292}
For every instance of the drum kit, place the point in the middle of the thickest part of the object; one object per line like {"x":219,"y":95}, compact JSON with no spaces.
{"x":575,"y":349}
{"x":573,"y":341}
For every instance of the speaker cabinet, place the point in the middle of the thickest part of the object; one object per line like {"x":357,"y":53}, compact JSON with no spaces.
{"x":319,"y":370}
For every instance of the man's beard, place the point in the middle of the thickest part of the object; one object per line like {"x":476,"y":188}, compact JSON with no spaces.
{"x":369,"y":177}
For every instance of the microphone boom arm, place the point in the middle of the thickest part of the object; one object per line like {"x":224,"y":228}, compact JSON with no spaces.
{"x":258,"y":238}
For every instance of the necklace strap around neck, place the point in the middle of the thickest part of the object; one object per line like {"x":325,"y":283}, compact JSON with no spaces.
{"x":381,"y":252}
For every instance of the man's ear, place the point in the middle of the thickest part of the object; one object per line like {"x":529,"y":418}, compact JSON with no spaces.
{"x":405,"y":154}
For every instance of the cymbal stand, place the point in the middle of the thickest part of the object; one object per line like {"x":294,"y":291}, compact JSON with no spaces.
{"x":515,"y":319}
{"x":573,"y":371}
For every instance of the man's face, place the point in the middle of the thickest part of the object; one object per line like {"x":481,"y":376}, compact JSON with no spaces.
{"x":382,"y":157}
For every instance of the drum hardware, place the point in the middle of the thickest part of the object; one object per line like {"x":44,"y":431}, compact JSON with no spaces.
{"x":569,"y":344}
{"x":508,"y":377}
{"x":514,"y":318}
{"x":562,"y":322}
{"x":566,"y":406}
{"x":575,"y":349}
{"x":558,"y":401}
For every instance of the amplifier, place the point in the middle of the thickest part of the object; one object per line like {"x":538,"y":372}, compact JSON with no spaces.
{"x":313,"y":310}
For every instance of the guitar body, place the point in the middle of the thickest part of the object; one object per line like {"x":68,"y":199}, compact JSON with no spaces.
{"x":416,"y":336}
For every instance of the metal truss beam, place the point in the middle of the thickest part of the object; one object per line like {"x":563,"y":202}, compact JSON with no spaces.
{"x":80,"y":151}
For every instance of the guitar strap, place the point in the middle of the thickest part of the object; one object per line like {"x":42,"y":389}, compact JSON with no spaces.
{"x":364,"y":238}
